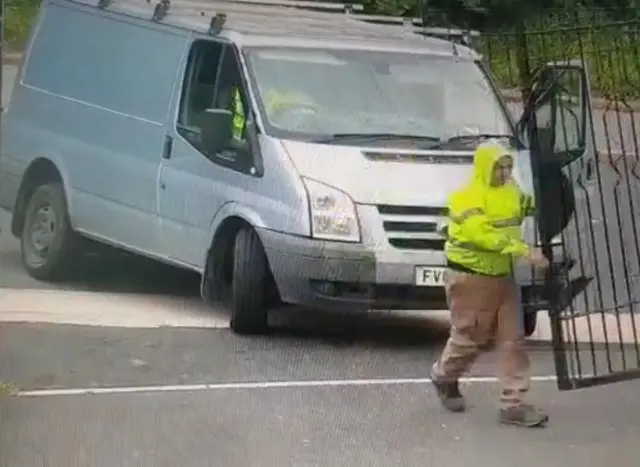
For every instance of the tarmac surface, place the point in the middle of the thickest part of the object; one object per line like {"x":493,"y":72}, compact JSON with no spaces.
{"x":208,"y":398}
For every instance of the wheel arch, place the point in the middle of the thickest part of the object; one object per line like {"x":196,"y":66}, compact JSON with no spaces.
{"x":40,"y":171}
{"x":220,"y":249}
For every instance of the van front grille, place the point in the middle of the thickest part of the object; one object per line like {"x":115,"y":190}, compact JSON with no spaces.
{"x":417,"y":243}
{"x":413,"y":227}
{"x":410,"y":226}
{"x":390,"y":209}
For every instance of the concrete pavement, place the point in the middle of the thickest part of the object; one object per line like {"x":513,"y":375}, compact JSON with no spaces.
{"x":9,"y":73}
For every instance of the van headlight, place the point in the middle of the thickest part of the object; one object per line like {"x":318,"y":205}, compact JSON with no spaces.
{"x":333,"y":213}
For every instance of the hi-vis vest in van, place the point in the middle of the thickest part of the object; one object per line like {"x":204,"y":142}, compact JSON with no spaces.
{"x":237,"y":125}
{"x":484,"y":232}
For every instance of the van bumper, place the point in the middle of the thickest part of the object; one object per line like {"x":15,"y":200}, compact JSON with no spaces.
{"x":347,"y":277}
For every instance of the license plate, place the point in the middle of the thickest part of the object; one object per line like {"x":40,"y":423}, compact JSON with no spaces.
{"x":430,"y":276}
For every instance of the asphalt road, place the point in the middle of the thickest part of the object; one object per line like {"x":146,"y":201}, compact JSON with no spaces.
{"x":339,"y":418}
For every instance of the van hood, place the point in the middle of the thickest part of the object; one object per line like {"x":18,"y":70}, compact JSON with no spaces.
{"x":382,"y":175}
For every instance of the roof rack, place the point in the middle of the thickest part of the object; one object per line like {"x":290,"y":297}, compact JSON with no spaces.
{"x":218,"y":11}
{"x":203,"y":7}
{"x":216,"y":8}
{"x":460,"y":36}
{"x":388,"y":20}
{"x":417,"y":26}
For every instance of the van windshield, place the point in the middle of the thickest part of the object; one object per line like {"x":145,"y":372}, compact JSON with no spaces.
{"x":314,"y":95}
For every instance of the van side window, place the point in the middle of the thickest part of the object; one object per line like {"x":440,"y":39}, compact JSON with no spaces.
{"x":231,"y":94}
{"x":198,"y":87}
{"x":213,"y":82}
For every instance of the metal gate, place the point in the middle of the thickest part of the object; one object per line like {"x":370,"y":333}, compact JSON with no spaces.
{"x":582,"y":119}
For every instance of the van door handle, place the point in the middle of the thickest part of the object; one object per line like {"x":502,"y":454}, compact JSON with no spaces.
{"x":168,"y":146}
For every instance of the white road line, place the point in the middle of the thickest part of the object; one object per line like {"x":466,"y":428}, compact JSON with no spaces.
{"x":258,"y":385}
{"x":107,"y":309}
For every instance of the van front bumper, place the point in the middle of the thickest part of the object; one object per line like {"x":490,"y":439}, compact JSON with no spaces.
{"x":349,"y":277}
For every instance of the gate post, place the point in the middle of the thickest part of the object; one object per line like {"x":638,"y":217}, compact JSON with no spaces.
{"x":553,"y":292}
{"x":522,"y":58}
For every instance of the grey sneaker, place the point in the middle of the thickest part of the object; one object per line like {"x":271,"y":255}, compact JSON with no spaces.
{"x":523,"y":415}
{"x":449,"y":394}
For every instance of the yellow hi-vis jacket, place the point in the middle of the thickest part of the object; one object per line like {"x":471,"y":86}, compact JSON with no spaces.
{"x":484,"y":232}
{"x":239,"y":119}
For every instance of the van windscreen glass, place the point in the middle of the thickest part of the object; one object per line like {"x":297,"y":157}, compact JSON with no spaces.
{"x":312,"y":94}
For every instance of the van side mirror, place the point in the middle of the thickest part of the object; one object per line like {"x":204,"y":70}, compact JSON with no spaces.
{"x":215,"y":129}
{"x":554,"y":119}
{"x":554,"y":123}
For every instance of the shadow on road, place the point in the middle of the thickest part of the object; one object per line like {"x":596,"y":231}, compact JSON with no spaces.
{"x":123,"y":273}
{"x":379,"y":329}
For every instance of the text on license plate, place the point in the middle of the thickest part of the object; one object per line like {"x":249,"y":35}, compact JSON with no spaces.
{"x":430,"y":276}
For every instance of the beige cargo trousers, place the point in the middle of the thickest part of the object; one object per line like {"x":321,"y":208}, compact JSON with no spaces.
{"x":485,"y":310}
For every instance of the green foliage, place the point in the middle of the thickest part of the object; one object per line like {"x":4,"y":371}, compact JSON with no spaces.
{"x":18,"y":16}
{"x":608,"y":43}
{"x":8,"y":389}
{"x":390,"y":7}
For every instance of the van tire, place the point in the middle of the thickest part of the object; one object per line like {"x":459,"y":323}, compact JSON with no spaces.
{"x":249,"y":313}
{"x":530,"y":323}
{"x":49,"y":202}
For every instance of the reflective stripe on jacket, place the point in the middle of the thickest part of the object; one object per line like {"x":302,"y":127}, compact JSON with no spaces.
{"x":484,"y":232}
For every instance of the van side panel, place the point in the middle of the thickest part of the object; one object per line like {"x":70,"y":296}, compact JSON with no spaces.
{"x":95,"y":93}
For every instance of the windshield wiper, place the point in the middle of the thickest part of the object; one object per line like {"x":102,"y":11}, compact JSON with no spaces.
{"x":473,"y":138}
{"x":336,"y":137}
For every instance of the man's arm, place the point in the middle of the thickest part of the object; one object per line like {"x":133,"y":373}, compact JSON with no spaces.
{"x":477,"y":228}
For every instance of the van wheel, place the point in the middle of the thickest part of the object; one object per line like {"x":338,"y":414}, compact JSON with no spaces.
{"x":530,"y":322}
{"x":249,"y":313}
{"x":47,"y":242}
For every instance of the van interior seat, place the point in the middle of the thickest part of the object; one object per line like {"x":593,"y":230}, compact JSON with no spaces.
{"x":201,"y":99}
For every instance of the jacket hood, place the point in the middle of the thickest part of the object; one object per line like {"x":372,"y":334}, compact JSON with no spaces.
{"x":484,"y":158}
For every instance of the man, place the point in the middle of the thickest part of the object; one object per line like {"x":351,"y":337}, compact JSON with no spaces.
{"x":484,"y":237}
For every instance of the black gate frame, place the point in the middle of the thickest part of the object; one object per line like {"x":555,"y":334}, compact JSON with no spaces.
{"x":558,"y":290}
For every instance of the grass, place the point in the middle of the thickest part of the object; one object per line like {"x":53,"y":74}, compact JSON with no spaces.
{"x":7,"y":389}
{"x":19,"y":15}
{"x":611,"y":49}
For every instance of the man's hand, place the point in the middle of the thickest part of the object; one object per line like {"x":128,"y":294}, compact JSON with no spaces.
{"x":535,"y":257}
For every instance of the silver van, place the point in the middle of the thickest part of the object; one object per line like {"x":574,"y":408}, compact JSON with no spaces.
{"x":121,"y":131}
